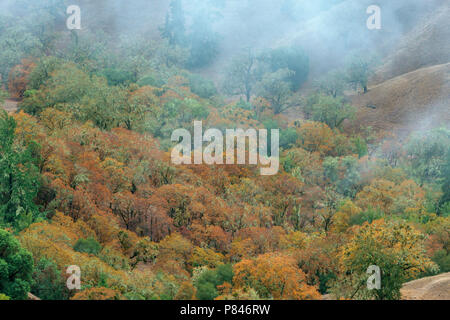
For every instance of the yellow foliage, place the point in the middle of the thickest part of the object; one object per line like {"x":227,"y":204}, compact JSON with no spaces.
{"x":98,"y":294}
{"x":274,"y":275}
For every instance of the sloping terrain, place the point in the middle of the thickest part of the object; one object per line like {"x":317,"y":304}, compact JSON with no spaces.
{"x":429,"y":288}
{"x":336,"y":34}
{"x":416,"y":100}
{"x":426,"y":44}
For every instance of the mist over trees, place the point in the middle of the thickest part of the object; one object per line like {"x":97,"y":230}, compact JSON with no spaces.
{"x":87,"y":179}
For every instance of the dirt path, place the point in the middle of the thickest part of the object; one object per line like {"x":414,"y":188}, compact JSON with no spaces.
{"x":10,"y":105}
{"x":429,"y":288}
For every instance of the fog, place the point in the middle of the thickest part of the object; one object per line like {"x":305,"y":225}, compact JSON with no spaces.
{"x":328,"y":30}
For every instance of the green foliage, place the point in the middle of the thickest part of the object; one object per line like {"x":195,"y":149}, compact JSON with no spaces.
{"x":48,"y":283}
{"x":369,"y":216}
{"x":4,"y":297}
{"x":168,"y":288}
{"x":333,"y":84}
{"x":242,"y":75}
{"x":65,"y":88}
{"x":427,"y":155}
{"x":90,"y":98}
{"x":292,"y":58}
{"x":442,"y":259}
{"x":16,"y":43}
{"x":330,"y":110}
{"x":242,"y":104}
{"x":103,"y":105}
{"x":32,"y":102}
{"x":288,"y":138}
{"x":343,"y":173}
{"x":117,"y":77}
{"x":87,"y":49}
{"x":360,"y":146}
{"x":72,"y":90}
{"x":203,"y":41}
{"x":359,"y":70}
{"x":19,"y":181}
{"x":129,"y":83}
{"x":444,"y":209}
{"x":89,"y":245}
{"x":325,"y":280}
{"x":208,"y":281}
{"x":444,"y":203}
{"x":167,"y":59}
{"x":174,"y":28}
{"x":202,"y":87}
{"x":179,"y":113}
{"x":397,"y":249}
{"x":3,"y":96}
{"x":113,"y":258}
{"x":152,"y":80}
{"x":275,"y":89}
{"x":43,"y":71}
{"x":36,"y":35}
{"x":16,"y":267}
{"x":348,"y":184}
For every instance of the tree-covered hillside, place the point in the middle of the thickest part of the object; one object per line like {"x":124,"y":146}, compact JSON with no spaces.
{"x":86,"y":177}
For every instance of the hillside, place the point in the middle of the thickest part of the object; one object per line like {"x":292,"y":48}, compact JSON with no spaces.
{"x":409,"y":89}
{"x":425,"y":45}
{"x":127,"y":173}
{"x":335,"y":34}
{"x":412,"y":101}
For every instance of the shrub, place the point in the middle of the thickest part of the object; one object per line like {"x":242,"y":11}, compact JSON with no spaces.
{"x":16,"y":267}
{"x":48,"y":284}
{"x":117,"y":77}
{"x":208,"y":281}
{"x":292,"y":58}
{"x":89,"y":245}
{"x":202,"y":87}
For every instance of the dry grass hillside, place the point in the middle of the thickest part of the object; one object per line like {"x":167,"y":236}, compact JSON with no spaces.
{"x":412,"y":101}
{"x":411,"y":89}
{"x":425,"y":45}
{"x":333,"y":36}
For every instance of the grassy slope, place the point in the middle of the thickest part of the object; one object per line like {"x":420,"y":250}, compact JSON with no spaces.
{"x":412,"y":101}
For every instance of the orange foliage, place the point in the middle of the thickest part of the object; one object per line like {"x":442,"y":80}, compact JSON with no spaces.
{"x":97,"y":294}
{"x":316,"y":137}
{"x":18,"y":78}
{"x":274,"y":275}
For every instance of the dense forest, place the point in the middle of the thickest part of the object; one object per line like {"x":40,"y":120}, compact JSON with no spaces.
{"x":86,"y":177}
